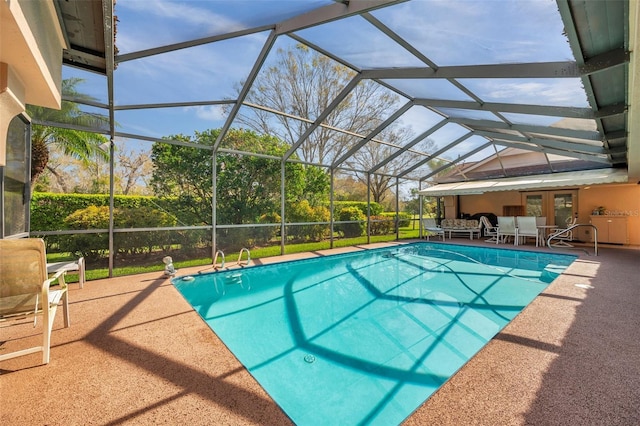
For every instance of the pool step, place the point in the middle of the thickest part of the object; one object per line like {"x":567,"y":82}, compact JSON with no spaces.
{"x":551,"y":272}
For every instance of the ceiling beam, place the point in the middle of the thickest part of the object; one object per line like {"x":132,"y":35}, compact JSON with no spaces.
{"x":330,"y":13}
{"x":435,"y":154}
{"x":372,"y":134}
{"x":565,"y":69}
{"x":338,"y":99}
{"x":577,"y":155}
{"x":457,"y":160}
{"x":266,"y":48}
{"x":553,"y":144}
{"x":192,"y":43}
{"x":490,"y":125}
{"x":605,"y":61}
{"x":546,"y":110}
{"x":409,"y":145}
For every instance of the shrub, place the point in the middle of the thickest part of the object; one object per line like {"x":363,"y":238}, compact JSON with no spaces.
{"x":91,"y":246}
{"x":94,"y":246}
{"x":303,"y":212}
{"x":146,"y":241}
{"x":381,"y":225}
{"x":375,"y":208}
{"x":404,"y":219}
{"x":264,"y":234}
{"x":354,"y":229}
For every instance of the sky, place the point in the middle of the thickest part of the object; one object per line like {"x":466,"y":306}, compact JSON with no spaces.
{"x":447,"y":32}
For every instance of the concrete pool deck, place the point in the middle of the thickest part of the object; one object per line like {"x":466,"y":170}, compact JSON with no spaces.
{"x":136,"y":353}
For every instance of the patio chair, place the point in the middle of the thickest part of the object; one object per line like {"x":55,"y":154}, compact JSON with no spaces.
{"x":527,"y":227}
{"x":507,"y":228}
{"x":429,"y":227}
{"x":25,"y":292}
{"x":77,"y":266}
{"x":562,"y":238}
{"x":489,"y":230}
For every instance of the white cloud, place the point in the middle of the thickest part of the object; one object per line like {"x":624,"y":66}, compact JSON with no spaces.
{"x":187,"y":13}
{"x":559,"y":92}
{"x":209,"y":112}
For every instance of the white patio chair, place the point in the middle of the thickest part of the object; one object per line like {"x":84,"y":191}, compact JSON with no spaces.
{"x":25,"y":292}
{"x":563,"y":238}
{"x":77,"y":266}
{"x":490,"y":231}
{"x":507,"y":228}
{"x":527,"y":227}
{"x":429,"y":228}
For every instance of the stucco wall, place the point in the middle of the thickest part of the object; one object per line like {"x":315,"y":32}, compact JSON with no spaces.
{"x":617,"y":199}
{"x":490,"y":202}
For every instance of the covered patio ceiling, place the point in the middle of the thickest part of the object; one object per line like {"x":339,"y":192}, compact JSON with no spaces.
{"x":471,"y":78}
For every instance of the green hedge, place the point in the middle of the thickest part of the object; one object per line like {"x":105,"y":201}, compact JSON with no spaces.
{"x":404,"y":219}
{"x":381,"y":225}
{"x":49,"y":211}
{"x":376,"y":209}
{"x":351,"y":230}
{"x":59,"y":212}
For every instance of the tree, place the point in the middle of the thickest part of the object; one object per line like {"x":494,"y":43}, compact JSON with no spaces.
{"x":374,"y":153}
{"x":347,"y":188}
{"x":303,"y":83}
{"x":82,"y":145}
{"x":132,"y":167}
{"x":248,"y":187}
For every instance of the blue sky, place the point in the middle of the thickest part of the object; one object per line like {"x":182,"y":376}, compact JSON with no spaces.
{"x":447,"y":32}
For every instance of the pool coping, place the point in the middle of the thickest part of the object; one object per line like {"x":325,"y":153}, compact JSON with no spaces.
{"x":137,"y":354}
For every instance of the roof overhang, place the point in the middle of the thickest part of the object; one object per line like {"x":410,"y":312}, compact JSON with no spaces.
{"x":528,"y":183}
{"x":84,"y":23}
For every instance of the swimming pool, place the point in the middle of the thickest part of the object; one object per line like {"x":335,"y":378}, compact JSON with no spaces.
{"x":367,"y":337}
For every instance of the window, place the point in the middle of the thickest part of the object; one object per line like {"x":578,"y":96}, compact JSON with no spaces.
{"x":14,"y":178}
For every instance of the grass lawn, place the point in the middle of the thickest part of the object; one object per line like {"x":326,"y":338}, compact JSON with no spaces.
{"x":256,"y":253}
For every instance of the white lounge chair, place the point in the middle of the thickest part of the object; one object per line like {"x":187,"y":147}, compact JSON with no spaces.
{"x":429,"y":228}
{"x":490,"y":231}
{"x":25,"y":292}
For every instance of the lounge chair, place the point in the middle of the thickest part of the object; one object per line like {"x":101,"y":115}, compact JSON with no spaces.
{"x":490,"y":231}
{"x":25,"y":292}
{"x":429,"y":228}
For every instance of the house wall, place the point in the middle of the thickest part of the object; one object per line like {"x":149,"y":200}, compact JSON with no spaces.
{"x":30,"y":60}
{"x":490,"y":202}
{"x":618,"y":200}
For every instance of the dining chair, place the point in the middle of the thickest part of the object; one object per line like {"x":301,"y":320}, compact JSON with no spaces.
{"x":527,"y":227}
{"x":507,"y":228}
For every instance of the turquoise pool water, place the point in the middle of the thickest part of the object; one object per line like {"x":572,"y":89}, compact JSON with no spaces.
{"x":367,"y":337}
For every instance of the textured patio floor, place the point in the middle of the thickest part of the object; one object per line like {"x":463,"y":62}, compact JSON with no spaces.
{"x":136,"y":353}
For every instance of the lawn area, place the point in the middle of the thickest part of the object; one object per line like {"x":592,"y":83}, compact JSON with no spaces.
{"x":256,"y":253}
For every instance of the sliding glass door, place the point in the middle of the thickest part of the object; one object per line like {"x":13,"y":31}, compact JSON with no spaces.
{"x":557,"y":206}
{"x":563,"y":208}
